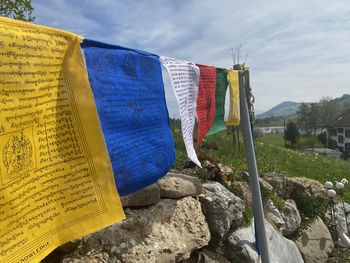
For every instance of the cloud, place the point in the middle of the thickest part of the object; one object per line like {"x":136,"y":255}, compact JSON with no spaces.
{"x":297,"y":50}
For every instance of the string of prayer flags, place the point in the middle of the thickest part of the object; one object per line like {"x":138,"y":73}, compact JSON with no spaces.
{"x":221,"y":87}
{"x":184,"y":77}
{"x":233,"y":118}
{"x":129,"y":92}
{"x":56,"y":180}
{"x":205,"y":100}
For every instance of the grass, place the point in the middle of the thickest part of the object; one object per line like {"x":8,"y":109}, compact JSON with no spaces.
{"x":272,"y":138}
{"x":270,"y":158}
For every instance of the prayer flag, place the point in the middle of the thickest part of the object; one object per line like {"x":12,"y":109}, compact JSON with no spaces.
{"x":56,"y":180}
{"x":184,"y":77}
{"x":221,"y":87}
{"x":129,"y":92}
{"x":205,"y":100}
{"x":234,"y":111}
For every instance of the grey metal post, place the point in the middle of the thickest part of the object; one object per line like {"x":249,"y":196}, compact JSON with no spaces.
{"x":253,"y":172}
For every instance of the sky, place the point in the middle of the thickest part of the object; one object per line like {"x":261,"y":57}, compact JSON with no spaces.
{"x":296,"y":50}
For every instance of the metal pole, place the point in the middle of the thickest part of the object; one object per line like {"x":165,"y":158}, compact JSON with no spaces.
{"x":253,"y":172}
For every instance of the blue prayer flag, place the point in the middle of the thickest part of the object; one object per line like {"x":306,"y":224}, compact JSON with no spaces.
{"x":129,"y":93}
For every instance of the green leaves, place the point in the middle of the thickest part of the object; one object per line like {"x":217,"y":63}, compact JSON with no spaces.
{"x":17,"y":9}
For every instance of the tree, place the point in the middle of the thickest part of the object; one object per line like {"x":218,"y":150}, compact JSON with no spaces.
{"x":308,"y":118}
{"x":291,"y":133}
{"x":328,"y":110}
{"x":17,"y":9}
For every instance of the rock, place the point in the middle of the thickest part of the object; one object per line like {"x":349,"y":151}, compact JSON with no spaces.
{"x":189,"y":165}
{"x":343,"y":227}
{"x":315,"y":242}
{"x":247,"y":194}
{"x":149,"y":195}
{"x":339,"y":210}
{"x":95,"y":258}
{"x":343,"y":233}
{"x":291,"y":217}
{"x":295,"y":187}
{"x":206,"y":256}
{"x":166,"y":232}
{"x":240,"y":246}
{"x":264,"y":185}
{"x":175,"y":185}
{"x":288,"y":220}
{"x":208,"y":165}
{"x":221,"y":208}
{"x":274,"y":215}
{"x":225,"y":170}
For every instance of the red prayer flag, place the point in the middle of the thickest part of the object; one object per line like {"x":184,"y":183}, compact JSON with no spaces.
{"x":205,"y":100}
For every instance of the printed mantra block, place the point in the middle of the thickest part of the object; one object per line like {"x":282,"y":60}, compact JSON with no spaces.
{"x":221,"y":87}
{"x":184,"y":78}
{"x":205,"y":100}
{"x":129,"y":93}
{"x":56,"y":180}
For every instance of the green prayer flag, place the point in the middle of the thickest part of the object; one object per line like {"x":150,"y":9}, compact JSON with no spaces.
{"x":221,"y":86}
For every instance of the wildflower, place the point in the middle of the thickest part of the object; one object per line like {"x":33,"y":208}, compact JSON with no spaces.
{"x":328,"y":185}
{"x":344,"y":181}
{"x":339,"y":185}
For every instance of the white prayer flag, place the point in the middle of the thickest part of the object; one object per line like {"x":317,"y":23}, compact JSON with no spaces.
{"x":184,"y":77}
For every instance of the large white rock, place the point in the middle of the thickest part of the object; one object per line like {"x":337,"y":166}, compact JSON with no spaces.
{"x":291,"y":217}
{"x":287,"y":220}
{"x":315,"y":242}
{"x":221,"y":208}
{"x":240,"y":246}
{"x":339,"y":210}
{"x":343,"y":226}
{"x":166,"y":232}
{"x":274,"y":215}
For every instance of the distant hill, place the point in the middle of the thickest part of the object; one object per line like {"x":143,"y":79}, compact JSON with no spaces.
{"x":286,"y":108}
{"x":343,"y":102}
{"x":289,"y":108}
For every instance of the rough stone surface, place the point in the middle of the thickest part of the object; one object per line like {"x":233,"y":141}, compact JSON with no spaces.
{"x":221,"y":208}
{"x":265,"y":186}
{"x":343,"y":226}
{"x":274,"y":216}
{"x":175,"y":185}
{"x":288,"y":220}
{"x":291,"y":217}
{"x":149,"y":195}
{"x":339,"y":210}
{"x":166,"y":232}
{"x":94,"y":258}
{"x":225,"y":170}
{"x":295,"y":187}
{"x":315,"y":242}
{"x":240,"y":247}
{"x":206,"y":256}
{"x":247,"y":193}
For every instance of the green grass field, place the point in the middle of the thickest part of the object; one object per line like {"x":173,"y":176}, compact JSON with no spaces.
{"x":270,"y":158}
{"x":272,"y":138}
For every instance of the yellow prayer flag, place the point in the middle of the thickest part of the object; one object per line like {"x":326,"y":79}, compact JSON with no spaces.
{"x":56,"y":179}
{"x":234,"y":111}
